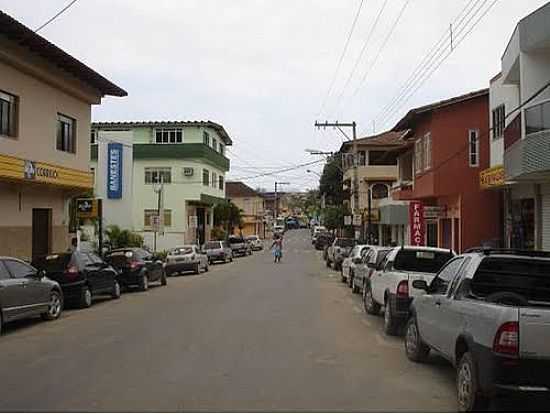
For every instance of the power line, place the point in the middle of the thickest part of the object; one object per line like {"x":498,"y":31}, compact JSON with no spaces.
{"x":63,"y":10}
{"x":341,"y":58}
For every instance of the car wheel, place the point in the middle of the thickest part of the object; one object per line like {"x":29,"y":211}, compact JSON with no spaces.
{"x":231,"y":259}
{"x":343,"y":277}
{"x":328,"y":263}
{"x":350,"y":278}
{"x":163,"y":281}
{"x":371,"y":307}
{"x":85,"y":297}
{"x":197,"y":268}
{"x":415,"y":348}
{"x":354,"y":287}
{"x":144,"y":284}
{"x":468,"y":393}
{"x":390,"y":324}
{"x":116,"y":290}
{"x":55,"y":307}
{"x":206,"y":267}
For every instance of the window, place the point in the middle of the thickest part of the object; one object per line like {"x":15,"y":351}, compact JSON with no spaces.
{"x":379,"y":191}
{"x":222,"y":149}
{"x":214,"y":179}
{"x":8,"y":114}
{"x":205,"y":177}
{"x":220,"y":182}
{"x":147,"y":214}
{"x":4,"y":275}
{"x":381,"y":158}
{"x":214,"y":144}
{"x":362,"y":155}
{"x":93,"y":136}
{"x":458,"y":277}
{"x":498,"y":121}
{"x":206,"y":138}
{"x":421,"y":261}
{"x":19,"y":270}
{"x":418,"y":159}
{"x":168,"y":135}
{"x":537,"y":118}
{"x":441,"y":282}
{"x":427,"y":151}
{"x":473,"y":145}
{"x":158,"y":175}
{"x":66,"y":134}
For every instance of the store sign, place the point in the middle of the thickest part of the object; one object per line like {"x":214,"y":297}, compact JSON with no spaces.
{"x":416,"y":223}
{"x":435,"y":212}
{"x":188,"y":172}
{"x":32,"y":171}
{"x":114,"y":170}
{"x":347,"y":220}
{"x":86,"y":207}
{"x":492,"y":177}
{"x":357,"y":219}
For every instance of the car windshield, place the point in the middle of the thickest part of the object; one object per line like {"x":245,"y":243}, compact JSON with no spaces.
{"x":345,"y":242}
{"x":529,"y":278}
{"x":421,"y":261}
{"x":181,"y":250}
{"x":213,"y":245}
{"x":252,"y":238}
{"x":235,"y":240}
{"x":53,"y":262}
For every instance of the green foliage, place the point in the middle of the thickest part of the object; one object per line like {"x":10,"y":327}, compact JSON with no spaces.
{"x":333,"y":216}
{"x":123,"y":238}
{"x":228,"y":216}
{"x":330,"y":183}
{"x":218,"y":233}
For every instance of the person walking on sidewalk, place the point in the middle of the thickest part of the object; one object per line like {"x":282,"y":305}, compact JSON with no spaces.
{"x":277,"y":248}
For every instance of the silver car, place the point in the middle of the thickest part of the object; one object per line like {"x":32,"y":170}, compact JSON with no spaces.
{"x":184,"y":259}
{"x":348,"y":265}
{"x":217,"y":250}
{"x":25,"y":292}
{"x":255,"y":242}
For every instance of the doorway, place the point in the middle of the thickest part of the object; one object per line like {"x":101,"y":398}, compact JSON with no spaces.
{"x":201,"y":225}
{"x":41,"y":231}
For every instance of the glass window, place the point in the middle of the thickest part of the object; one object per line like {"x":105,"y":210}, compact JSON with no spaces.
{"x":205,"y":177}
{"x":418,"y":158}
{"x":222,"y":149}
{"x":473,"y":140}
{"x":441,"y":282}
{"x":381,"y":158}
{"x":499,"y":118}
{"x":3,"y":272}
{"x":158,"y":175}
{"x":8,"y":114}
{"x":154,"y":212}
{"x":220,"y":182}
{"x":458,"y":277}
{"x":422,"y":261}
{"x":428,"y":151}
{"x":66,"y":134}
{"x":19,"y":270}
{"x":214,"y":144}
{"x":93,"y":134}
{"x":206,"y":138}
{"x":214,"y":179}
{"x":168,"y":135}
{"x":379,"y":191}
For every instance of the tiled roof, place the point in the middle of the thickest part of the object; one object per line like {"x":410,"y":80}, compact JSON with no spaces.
{"x":21,"y":35}
{"x":385,"y":139}
{"x":167,"y":124}
{"x":239,"y":189}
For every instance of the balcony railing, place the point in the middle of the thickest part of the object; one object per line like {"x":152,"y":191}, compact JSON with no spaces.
{"x":512,"y":133}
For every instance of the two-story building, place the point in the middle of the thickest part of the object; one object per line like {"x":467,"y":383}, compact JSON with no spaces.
{"x":251,"y":204}
{"x":446,"y":149}
{"x":45,"y":109}
{"x":178,"y":167}
{"x":520,"y":133}
{"x":377,"y":171}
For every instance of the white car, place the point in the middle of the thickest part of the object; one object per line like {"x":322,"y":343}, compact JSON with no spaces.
{"x":350,"y":262}
{"x":393,"y":286}
{"x":184,"y":259}
{"x":316,"y":231}
{"x":255,"y":242}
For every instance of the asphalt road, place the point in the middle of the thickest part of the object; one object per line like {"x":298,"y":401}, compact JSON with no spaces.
{"x":247,"y":336}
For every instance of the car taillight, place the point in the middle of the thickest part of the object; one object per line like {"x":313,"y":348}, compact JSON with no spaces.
{"x":134,"y":264}
{"x":403,"y":289}
{"x":507,"y":339}
{"x":71,"y":272}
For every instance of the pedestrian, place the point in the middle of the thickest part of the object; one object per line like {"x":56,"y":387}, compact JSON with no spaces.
{"x":277,"y":248}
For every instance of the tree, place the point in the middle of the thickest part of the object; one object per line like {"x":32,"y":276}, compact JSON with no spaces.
{"x":228,"y":216}
{"x":123,"y":238}
{"x":331,"y":181}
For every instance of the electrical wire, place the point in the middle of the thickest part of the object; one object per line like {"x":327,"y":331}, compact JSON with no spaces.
{"x":59,"y":13}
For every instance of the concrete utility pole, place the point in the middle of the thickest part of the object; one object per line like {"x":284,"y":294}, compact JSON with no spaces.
{"x":355,"y":182}
{"x":277,"y":199}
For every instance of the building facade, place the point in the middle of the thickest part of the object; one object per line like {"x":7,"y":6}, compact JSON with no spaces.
{"x":520,"y":132}
{"x":251,"y":204}
{"x":45,"y":109}
{"x":179,"y":166}
{"x":446,"y":149}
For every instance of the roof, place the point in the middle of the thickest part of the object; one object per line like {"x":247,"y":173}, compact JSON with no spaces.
{"x":167,"y":124}
{"x":235,"y":189}
{"x":385,"y":139}
{"x":404,"y":122}
{"x":27,"y":38}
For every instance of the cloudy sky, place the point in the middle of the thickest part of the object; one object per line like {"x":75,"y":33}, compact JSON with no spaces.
{"x":263,"y":69}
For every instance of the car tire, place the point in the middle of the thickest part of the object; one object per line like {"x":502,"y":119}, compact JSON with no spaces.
{"x":354,"y":287}
{"x":85,"y":297}
{"x":197,"y":268}
{"x":415,"y":349}
{"x":343,"y":278}
{"x":55,"y":307}
{"x":231,"y":259}
{"x":371,"y":307}
{"x":163,"y":281}
{"x":115,"y":294}
{"x":469,"y":398}
{"x":350,"y":278}
{"x":328,"y":263}
{"x":390,"y":324}
{"x":206,"y":267}
{"x":144,"y":283}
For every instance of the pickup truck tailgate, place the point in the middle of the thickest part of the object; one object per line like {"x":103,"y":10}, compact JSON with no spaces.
{"x":534,"y":333}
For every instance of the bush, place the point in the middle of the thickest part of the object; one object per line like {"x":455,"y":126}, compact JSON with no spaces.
{"x":218,"y":233}
{"x":123,"y":238}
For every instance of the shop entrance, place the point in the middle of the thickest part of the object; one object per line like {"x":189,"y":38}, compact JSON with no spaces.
{"x":431,"y":233}
{"x":201,"y":225}
{"x":446,"y":233}
{"x":41,"y":231}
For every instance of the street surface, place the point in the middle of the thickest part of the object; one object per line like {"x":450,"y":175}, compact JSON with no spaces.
{"x":247,"y":336}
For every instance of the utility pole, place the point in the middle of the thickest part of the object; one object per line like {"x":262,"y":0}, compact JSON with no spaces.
{"x":277,"y":199}
{"x":355,"y":182}
{"x":158,"y":189}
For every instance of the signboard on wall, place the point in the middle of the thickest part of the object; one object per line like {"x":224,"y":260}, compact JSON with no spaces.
{"x":86,"y":208}
{"x":492,"y":177}
{"x":114,"y":170}
{"x":347,"y":220}
{"x":357,"y":219}
{"x":193,"y":222}
{"x":416,"y":223}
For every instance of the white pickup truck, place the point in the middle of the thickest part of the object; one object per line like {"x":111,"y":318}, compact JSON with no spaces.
{"x":392,"y":287}
{"x":488,"y":313}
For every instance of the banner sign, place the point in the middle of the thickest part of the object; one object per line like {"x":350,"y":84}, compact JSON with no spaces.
{"x":416,"y":223}
{"x":114,"y":170}
{"x":86,"y":208}
{"x":492,"y":177}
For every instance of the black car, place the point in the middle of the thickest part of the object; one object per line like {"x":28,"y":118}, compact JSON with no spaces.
{"x":137,"y":267}
{"x":81,"y":276}
{"x":323,"y":240}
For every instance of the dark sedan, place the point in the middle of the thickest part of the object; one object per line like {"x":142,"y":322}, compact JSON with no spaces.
{"x":137,"y":267}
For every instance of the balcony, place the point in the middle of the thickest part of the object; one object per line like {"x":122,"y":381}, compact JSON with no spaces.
{"x":374,"y":173}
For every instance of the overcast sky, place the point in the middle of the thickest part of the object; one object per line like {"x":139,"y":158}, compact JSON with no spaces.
{"x":262,"y":68}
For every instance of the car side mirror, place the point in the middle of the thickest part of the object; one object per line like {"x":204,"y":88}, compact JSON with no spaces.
{"x":420,"y":285}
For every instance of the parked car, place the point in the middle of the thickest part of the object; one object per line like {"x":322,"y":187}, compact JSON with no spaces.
{"x":26,"y":292}
{"x":292,"y":223}
{"x":348,"y":265}
{"x":322,"y":241}
{"x":255,"y":242}
{"x":488,"y":313}
{"x":137,"y":267}
{"x":239,"y":246}
{"x":315,"y":231}
{"x":186,"y":259}
{"x":392,"y":287}
{"x":81,"y":275}
{"x":370,"y":261}
{"x":278,"y":229}
{"x":338,"y":251}
{"x":218,"y":251}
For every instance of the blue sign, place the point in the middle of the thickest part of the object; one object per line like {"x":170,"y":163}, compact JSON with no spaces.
{"x":114,"y":170}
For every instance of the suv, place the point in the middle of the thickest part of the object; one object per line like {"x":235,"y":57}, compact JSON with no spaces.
{"x":488,"y":313}
{"x":392,"y":287}
{"x":239,"y":246}
{"x":185,"y":259}
{"x":338,"y":251}
{"x":137,"y":267}
{"x":218,"y":251}
{"x":80,"y":275}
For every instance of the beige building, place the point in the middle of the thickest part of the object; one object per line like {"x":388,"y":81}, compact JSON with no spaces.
{"x":45,"y":110}
{"x":252,"y":205}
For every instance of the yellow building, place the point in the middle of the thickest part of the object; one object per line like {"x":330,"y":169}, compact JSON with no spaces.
{"x":251,"y":204}
{"x":45,"y":110}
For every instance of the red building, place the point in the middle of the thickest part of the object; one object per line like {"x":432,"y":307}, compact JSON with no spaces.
{"x":439,"y":165}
